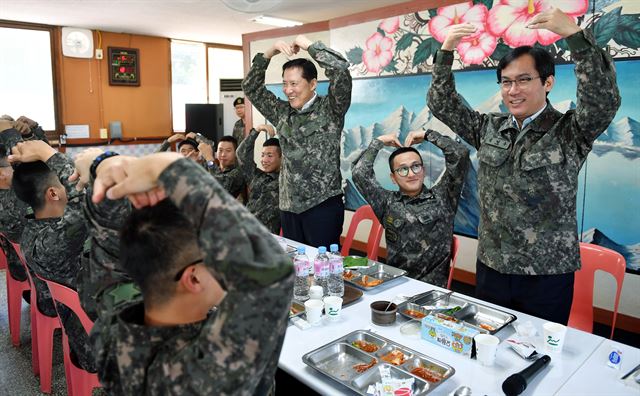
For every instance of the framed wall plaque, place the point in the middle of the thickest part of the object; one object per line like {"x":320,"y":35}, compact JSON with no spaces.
{"x":124,"y":66}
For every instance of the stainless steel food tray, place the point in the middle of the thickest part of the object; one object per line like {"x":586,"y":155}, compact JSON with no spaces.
{"x":479,"y":314}
{"x":337,"y":358}
{"x":378,"y":271}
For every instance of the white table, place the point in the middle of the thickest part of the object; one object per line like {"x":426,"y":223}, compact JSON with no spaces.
{"x":579,"y":369}
{"x":596,"y":378}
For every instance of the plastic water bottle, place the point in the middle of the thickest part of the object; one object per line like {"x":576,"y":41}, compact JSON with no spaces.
{"x":301,"y":284}
{"x":336,"y":282}
{"x":321,"y":269}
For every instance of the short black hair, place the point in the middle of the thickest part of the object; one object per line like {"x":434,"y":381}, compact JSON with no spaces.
{"x":273,"y":142}
{"x":31,"y":181}
{"x":309,"y":71}
{"x":189,"y":141}
{"x":155,"y":244}
{"x":542,"y":59}
{"x":228,"y":138}
{"x":402,"y":150}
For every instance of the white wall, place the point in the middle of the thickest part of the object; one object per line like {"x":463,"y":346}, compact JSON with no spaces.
{"x":223,"y":63}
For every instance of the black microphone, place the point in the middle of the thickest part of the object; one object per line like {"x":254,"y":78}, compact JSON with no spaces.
{"x":517,"y":383}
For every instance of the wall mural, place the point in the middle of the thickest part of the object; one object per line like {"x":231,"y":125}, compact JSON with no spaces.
{"x":391,"y":61}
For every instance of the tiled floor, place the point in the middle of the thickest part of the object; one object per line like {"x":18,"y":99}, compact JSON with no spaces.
{"x":16,"y":376}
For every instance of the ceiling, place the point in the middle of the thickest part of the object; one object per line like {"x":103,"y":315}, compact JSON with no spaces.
{"x":208,"y":21}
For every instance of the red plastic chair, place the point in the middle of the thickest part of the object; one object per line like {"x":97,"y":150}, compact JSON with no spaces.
{"x":454,"y":255}
{"x":3,"y":257}
{"x":79,"y":381}
{"x":594,"y":258}
{"x":373,"y":243}
{"x":42,"y":328}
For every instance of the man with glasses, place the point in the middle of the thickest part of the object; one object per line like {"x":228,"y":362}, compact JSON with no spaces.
{"x":418,"y":221}
{"x":530,"y":158}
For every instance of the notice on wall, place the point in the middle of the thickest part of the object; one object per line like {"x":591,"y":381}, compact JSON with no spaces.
{"x":77,"y":131}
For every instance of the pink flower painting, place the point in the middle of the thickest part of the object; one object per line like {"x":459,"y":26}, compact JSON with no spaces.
{"x":474,"y":50}
{"x":456,"y":14}
{"x":378,"y":52}
{"x":390,"y":25}
{"x":510,"y":18}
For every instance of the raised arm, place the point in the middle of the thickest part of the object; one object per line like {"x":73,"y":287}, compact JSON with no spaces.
{"x":457,"y":162}
{"x":598,"y":97}
{"x":443,"y":99}
{"x":336,"y":68}
{"x":244,"y":154}
{"x":364,"y":176}
{"x":254,"y":87}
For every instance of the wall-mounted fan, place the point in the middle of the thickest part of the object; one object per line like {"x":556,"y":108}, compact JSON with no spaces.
{"x":252,"y":6}
{"x":77,"y":43}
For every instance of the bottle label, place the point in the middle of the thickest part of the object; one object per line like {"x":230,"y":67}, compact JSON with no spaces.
{"x":301,"y":267}
{"x":321,"y":268}
{"x":336,"y":266}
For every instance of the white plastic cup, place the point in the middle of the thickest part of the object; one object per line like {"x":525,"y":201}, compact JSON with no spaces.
{"x":554,"y":335}
{"x":486,"y":348}
{"x":333,"y":307}
{"x":313,"y":310}
{"x":316,"y":292}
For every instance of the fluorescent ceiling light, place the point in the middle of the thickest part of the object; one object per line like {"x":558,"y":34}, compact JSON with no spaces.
{"x":267,"y":20}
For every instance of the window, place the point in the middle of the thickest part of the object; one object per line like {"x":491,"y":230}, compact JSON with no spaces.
{"x":188,"y":77}
{"x":26,"y":75}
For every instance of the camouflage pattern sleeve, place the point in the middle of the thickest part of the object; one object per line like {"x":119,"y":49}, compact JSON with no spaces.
{"x":336,"y":68}
{"x":456,"y":157}
{"x":165,"y":146}
{"x":73,"y":227}
{"x":446,"y":104}
{"x":245,"y":156}
{"x":231,"y":179}
{"x":202,"y":139}
{"x":9,"y":138}
{"x":364,"y":177}
{"x":596,"y":76}
{"x":254,"y":88}
{"x":241,"y":341}
{"x":102,"y":270}
{"x":37,"y":133}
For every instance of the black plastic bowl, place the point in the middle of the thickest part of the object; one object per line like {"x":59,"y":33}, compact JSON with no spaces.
{"x":383,"y":313}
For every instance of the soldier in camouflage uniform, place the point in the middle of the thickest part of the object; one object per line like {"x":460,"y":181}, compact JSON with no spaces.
{"x":224,"y":167}
{"x":53,"y":240}
{"x":179,"y":252}
{"x":12,"y":219}
{"x":309,"y":127}
{"x":13,"y":211}
{"x":238,"y":127}
{"x":418,"y":221}
{"x":263,"y":184}
{"x":529,"y":162}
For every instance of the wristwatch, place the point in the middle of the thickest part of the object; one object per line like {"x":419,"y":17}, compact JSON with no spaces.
{"x":210,"y":164}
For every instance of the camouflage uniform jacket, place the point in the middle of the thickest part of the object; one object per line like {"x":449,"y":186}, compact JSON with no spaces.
{"x":238,"y":130}
{"x":232,"y":178}
{"x":528,"y":180}
{"x":263,"y":187}
{"x":13,"y":211}
{"x":419,"y":230}
{"x":235,"y":349}
{"x":310,"y":139}
{"x":53,"y":249}
{"x":13,"y":218}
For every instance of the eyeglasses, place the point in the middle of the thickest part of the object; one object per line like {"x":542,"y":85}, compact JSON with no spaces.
{"x":179,"y":274}
{"x":404,"y":170}
{"x":521,"y":82}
